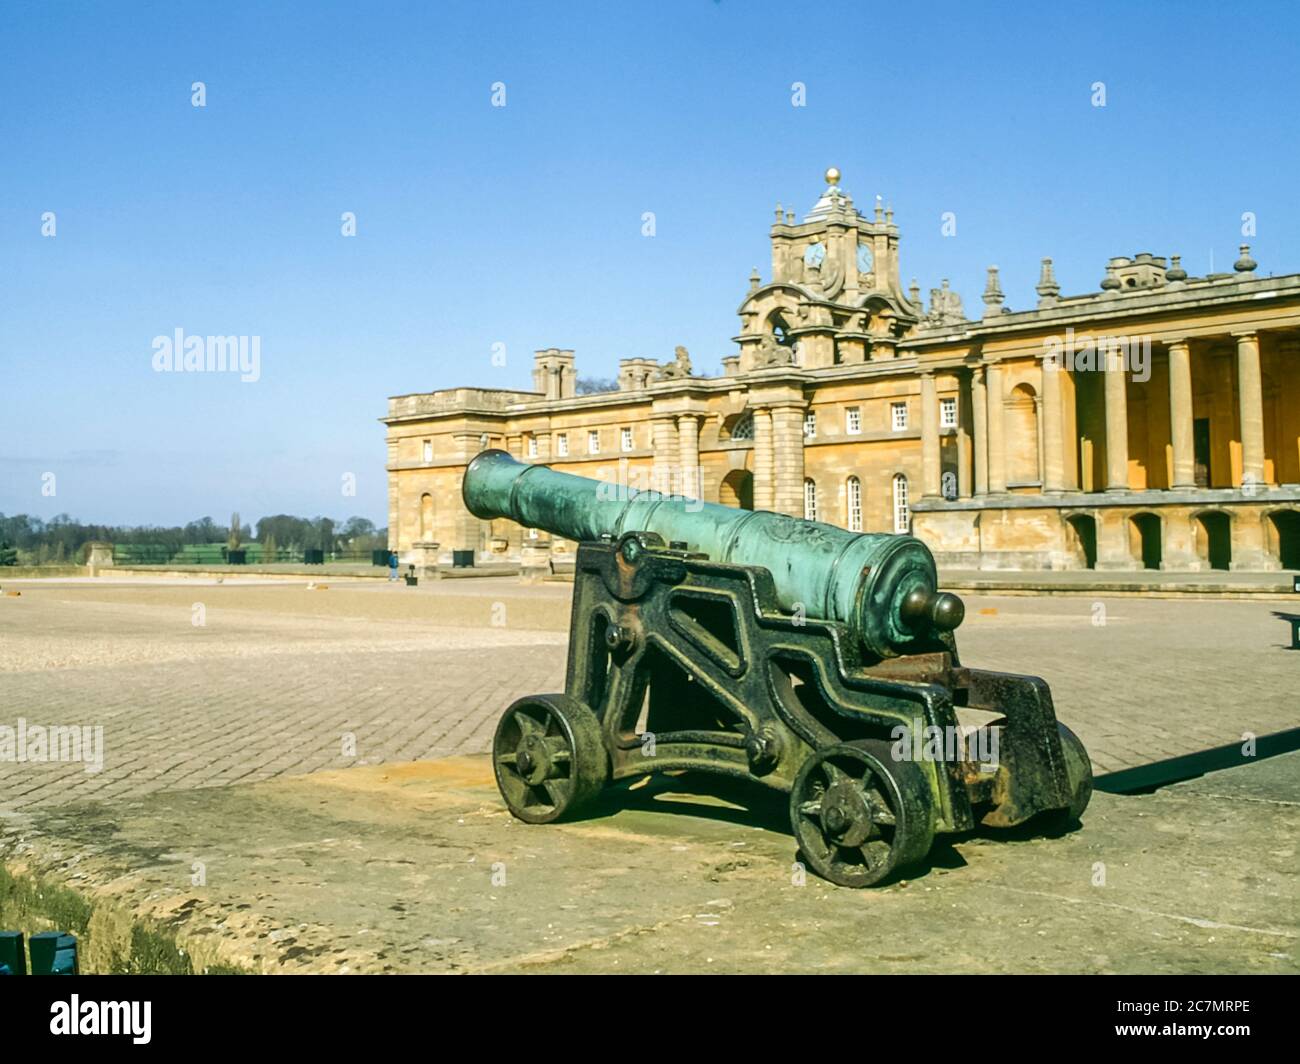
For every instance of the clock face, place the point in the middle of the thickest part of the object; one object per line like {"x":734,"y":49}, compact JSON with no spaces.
{"x":814,"y":255}
{"x":865,"y":259}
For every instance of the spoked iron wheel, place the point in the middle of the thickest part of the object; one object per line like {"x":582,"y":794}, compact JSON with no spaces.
{"x":859,"y":815}
{"x":549,"y":758}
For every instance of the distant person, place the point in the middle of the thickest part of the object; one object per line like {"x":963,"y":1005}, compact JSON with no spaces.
{"x":392,"y":566}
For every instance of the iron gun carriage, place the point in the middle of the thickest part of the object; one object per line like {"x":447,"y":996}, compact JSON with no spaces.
{"x":813,"y":660}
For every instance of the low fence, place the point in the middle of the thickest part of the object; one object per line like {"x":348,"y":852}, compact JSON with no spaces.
{"x":252,"y":554}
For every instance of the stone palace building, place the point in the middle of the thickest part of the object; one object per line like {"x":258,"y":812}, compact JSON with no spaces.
{"x":1154,"y":423}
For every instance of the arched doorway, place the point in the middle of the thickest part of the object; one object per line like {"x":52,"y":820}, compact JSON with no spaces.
{"x":1286,"y":534}
{"x":1214,"y":539}
{"x":737,"y":489}
{"x":426,"y":518}
{"x":1144,"y":539}
{"x":1083,"y":538}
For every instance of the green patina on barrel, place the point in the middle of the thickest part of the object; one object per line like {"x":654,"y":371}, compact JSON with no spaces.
{"x":883,"y":587}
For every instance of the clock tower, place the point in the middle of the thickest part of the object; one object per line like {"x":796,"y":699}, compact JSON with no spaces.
{"x":835,"y":294}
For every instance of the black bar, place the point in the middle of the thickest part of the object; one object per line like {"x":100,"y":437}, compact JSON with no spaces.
{"x":387,"y":1015}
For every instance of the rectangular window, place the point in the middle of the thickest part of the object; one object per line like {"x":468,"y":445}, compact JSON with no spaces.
{"x":593,"y":442}
{"x":428,"y":451}
{"x":947,"y":413}
{"x":532,"y":533}
{"x":532,"y":446}
{"x":809,"y":500}
{"x":898,"y":415}
{"x":562,"y":443}
{"x":625,"y":439}
{"x":853,"y":420}
{"x":809,"y":425}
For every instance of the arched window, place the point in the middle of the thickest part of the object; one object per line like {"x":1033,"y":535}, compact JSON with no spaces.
{"x":902,"y":519}
{"x":743,"y":427}
{"x":854,"y":500}
{"x":780,"y":328}
{"x":809,"y":499}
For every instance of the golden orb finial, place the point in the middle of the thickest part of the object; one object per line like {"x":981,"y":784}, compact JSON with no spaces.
{"x":833,"y":176}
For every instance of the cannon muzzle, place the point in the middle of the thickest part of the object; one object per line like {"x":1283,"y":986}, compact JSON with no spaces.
{"x":884,"y":588}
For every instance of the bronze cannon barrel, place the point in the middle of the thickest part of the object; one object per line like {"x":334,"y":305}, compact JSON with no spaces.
{"x":884,"y":588}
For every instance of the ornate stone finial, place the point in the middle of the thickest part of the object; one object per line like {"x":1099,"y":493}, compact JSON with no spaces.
{"x":779,"y":213}
{"x":993,"y":289}
{"x":993,"y":296}
{"x":789,"y":217}
{"x":754,"y":280}
{"x":1110,"y":283}
{"x":1047,"y":288}
{"x":1175,"y":272}
{"x":915,"y":292}
{"x":880,"y":209}
{"x":889,"y":214}
{"x":1245,"y":264}
{"x":833,"y":176}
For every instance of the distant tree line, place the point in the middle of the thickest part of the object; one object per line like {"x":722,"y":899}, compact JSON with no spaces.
{"x":30,"y":540}
{"x":595,"y":385}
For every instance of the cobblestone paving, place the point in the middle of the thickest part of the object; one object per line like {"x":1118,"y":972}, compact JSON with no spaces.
{"x":1141,"y":679}
{"x":279,"y":679}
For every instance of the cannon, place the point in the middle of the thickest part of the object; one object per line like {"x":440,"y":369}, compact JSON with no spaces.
{"x":815,"y":661}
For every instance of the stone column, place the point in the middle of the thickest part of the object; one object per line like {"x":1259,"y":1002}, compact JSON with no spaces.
{"x":980,"y":410}
{"x":468,"y":529}
{"x":997,"y":457}
{"x":394,"y":499}
{"x":1116,"y":419}
{"x":1053,"y":436}
{"x":665,"y":458}
{"x":965,"y":450}
{"x":1038,"y":430}
{"x":930,"y":465}
{"x":1180,"y":414}
{"x":787,"y":459}
{"x":764,"y":496}
{"x":1250,"y":396}
{"x":688,"y":446}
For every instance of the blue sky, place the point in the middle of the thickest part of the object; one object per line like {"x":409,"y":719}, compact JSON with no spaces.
{"x":521,"y":225}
